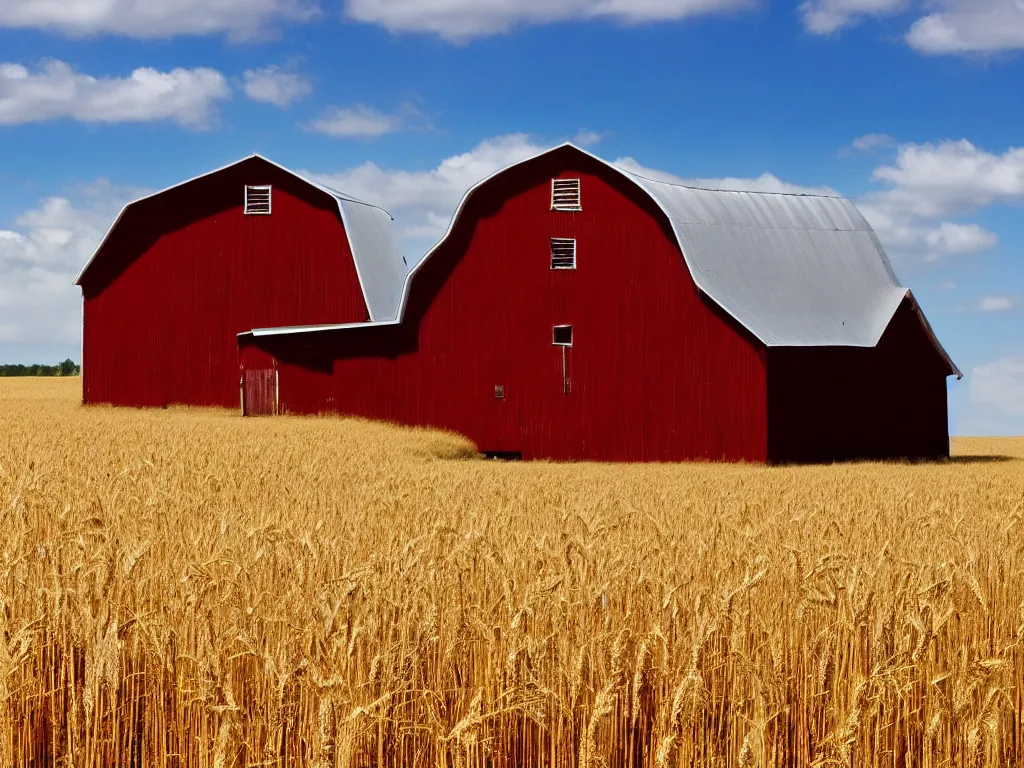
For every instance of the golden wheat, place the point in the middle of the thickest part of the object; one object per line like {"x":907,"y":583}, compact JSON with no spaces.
{"x":188,"y":588}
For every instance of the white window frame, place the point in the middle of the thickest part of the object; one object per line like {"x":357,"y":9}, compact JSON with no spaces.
{"x":556,"y":343}
{"x":559,"y":190}
{"x":563,"y":242}
{"x":270,"y":199}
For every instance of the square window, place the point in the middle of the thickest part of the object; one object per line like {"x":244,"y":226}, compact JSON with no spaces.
{"x":257,"y":200}
{"x":561,"y":336}
{"x":563,"y":253}
{"x":565,"y":195}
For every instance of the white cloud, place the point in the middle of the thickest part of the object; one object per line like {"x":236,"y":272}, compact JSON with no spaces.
{"x":461,"y":20}
{"x":40,"y":258}
{"x":948,"y":26}
{"x":240,"y":19}
{"x":55,"y":91}
{"x":824,"y":17}
{"x":995,"y":304}
{"x":273,"y":85}
{"x":423,"y":202}
{"x":953,"y":176}
{"x":361,"y":121}
{"x":1000,"y":385}
{"x":928,"y":183}
{"x":969,"y":26}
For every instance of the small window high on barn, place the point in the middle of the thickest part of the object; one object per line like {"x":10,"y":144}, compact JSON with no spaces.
{"x":257,"y":200}
{"x":565,"y":195}
{"x":563,"y":253}
{"x":561,"y":336}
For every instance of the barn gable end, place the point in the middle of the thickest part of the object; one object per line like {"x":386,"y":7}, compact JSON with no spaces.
{"x":183,"y":271}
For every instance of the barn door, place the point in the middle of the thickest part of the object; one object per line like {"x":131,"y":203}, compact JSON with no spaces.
{"x":259,"y":388}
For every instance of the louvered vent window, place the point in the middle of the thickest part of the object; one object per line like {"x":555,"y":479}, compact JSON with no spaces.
{"x":563,"y":253}
{"x":565,"y":195}
{"x":257,"y":201}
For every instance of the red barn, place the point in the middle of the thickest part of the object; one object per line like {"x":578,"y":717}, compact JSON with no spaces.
{"x":183,"y":271}
{"x":575,"y":310}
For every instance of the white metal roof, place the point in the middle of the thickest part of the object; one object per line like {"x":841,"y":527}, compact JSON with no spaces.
{"x":376,"y":250}
{"x":794,"y":270}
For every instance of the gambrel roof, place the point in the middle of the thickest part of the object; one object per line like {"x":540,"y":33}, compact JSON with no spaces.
{"x":794,"y":270}
{"x":376,"y":251}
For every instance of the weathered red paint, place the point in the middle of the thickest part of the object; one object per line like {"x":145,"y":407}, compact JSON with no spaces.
{"x":657,"y":374}
{"x":185,"y":271}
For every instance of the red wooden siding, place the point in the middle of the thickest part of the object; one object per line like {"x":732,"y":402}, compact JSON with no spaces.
{"x":656,"y":372}
{"x":185,"y":271}
{"x":840,"y":403}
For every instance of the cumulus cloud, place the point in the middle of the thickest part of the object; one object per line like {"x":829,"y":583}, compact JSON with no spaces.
{"x":461,"y":20}
{"x":937,"y":179}
{"x":40,"y":258}
{"x":947,"y":26}
{"x":56,"y":91}
{"x":930,"y":183}
{"x":361,"y":121}
{"x":969,"y":26}
{"x":999,"y":385}
{"x":423,"y":202}
{"x":824,"y":17}
{"x":240,"y":19}
{"x":273,"y":85}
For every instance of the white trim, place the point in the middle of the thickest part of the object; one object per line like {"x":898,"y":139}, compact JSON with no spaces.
{"x":269,"y":189}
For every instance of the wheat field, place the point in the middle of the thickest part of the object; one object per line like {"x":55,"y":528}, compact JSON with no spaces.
{"x":188,"y":588}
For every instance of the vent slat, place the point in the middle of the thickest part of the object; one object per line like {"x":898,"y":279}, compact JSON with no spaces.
{"x":257,"y":200}
{"x":565,"y":195}
{"x":563,"y":253}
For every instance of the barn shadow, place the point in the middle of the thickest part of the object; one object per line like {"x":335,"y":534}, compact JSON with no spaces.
{"x":980,"y":459}
{"x":966,"y":460}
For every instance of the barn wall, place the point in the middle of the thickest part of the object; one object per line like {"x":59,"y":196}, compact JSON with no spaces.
{"x":656,"y":373}
{"x":184,"y":272}
{"x":836,"y":403}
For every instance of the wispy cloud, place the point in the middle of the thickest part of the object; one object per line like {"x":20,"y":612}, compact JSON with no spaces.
{"x":463,"y":20}
{"x":277,"y":86}
{"x":362,"y":121}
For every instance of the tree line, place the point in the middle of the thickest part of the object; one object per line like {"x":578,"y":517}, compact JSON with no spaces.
{"x":67,"y":368}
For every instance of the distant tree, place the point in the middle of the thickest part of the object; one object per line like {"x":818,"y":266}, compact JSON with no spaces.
{"x":67,"y":368}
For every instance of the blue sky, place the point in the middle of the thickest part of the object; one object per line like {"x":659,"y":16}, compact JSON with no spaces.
{"x":913,"y":109}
